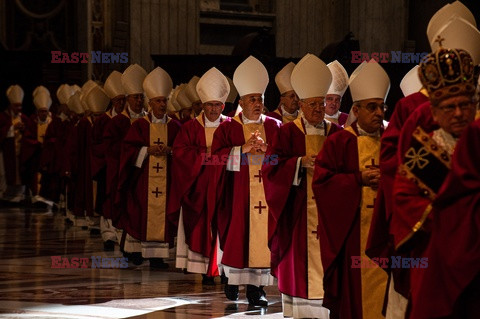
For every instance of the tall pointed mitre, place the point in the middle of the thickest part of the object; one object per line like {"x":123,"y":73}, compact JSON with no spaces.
{"x":282,"y":79}
{"x":458,"y":33}
{"x":250,"y":77}
{"x":368,"y":81}
{"x":311,"y":77}
{"x":232,"y":96}
{"x":411,"y":82}
{"x":15,"y":94}
{"x":113,"y":85}
{"x":39,"y":89}
{"x":157,"y":83}
{"x":42,"y":100}
{"x":191,"y":89}
{"x":448,"y":11}
{"x":75,"y":104}
{"x":64,"y":92}
{"x":213,"y":86}
{"x":339,"y":78}
{"x":183,"y":99}
{"x":97,"y":100}
{"x":132,"y":79}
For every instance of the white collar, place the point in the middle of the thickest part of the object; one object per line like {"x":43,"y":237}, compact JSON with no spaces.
{"x":162,"y":120}
{"x":63,"y":117}
{"x":113,"y":112}
{"x":215,"y":123}
{"x":134,"y":115}
{"x":334,"y":116}
{"x":261,"y":119}
{"x":362,"y":132}
{"x":285,"y":113}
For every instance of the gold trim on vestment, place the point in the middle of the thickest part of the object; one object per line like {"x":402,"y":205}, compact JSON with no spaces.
{"x":157,"y":184}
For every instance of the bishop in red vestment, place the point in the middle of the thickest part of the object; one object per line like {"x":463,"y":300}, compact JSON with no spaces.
{"x":287,"y":109}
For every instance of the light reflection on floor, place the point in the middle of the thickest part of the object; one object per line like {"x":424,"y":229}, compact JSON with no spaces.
{"x":31,"y":288}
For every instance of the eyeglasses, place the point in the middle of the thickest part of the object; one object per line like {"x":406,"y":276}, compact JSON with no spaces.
{"x":372,"y":107}
{"x":463,"y":106}
{"x":314,"y":104}
{"x":253,"y":99}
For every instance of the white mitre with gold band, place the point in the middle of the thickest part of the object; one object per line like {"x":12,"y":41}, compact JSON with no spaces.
{"x":97,"y":100}
{"x":213,"y":86}
{"x":157,"y":83}
{"x":441,"y":17}
{"x":132,"y":79}
{"x":311,"y":77}
{"x":368,"y":81}
{"x":15,"y":94}
{"x":42,"y":100}
{"x":411,"y":82}
{"x":339,"y":78}
{"x":282,"y":79}
{"x":191,"y":89}
{"x":250,"y":77}
{"x":113,"y":85}
{"x":458,"y":33}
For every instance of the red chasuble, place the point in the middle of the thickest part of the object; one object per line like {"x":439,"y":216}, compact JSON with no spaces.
{"x":191,"y":173}
{"x":144,"y":190}
{"x":342,"y":119}
{"x":113,"y":136}
{"x":293,"y":262}
{"x":379,"y":242}
{"x":232,"y":192}
{"x":452,"y":275}
{"x":350,"y":291}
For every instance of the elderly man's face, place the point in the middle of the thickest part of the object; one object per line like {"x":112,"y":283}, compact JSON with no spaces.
{"x":212,"y":110}
{"x":159,"y":106}
{"x":313,"y":109}
{"x":289,"y":100}
{"x":370,"y":114}
{"x":332,"y":105}
{"x":118,"y":103}
{"x":136,"y":102}
{"x":455,"y":113}
{"x":42,"y":114}
{"x":16,"y":108}
{"x":252,"y":106}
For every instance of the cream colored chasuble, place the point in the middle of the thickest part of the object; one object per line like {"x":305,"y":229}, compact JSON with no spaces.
{"x":374,"y":280}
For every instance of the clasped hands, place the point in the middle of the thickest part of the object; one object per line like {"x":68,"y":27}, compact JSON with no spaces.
{"x":255,"y":142}
{"x":371,"y":177}
{"x":159,"y":150}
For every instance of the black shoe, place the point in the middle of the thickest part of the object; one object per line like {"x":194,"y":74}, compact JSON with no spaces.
{"x":136,"y":258}
{"x":158,"y":263}
{"x":223,"y":279}
{"x":256,"y":296}
{"x":208,"y":281}
{"x":109,"y":245}
{"x":231,"y":292}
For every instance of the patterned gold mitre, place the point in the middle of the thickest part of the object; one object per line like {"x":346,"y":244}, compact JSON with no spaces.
{"x":446,"y":73}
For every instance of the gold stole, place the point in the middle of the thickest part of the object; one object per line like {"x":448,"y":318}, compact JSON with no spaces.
{"x":313,"y":145}
{"x":477,"y":115}
{"x":258,"y":251}
{"x":125,"y":112}
{"x":333,"y":120}
{"x":157,"y":184}
{"x":208,"y":132}
{"x":373,"y":280}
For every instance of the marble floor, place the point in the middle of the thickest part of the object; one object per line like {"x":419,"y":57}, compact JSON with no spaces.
{"x":30,"y":287}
